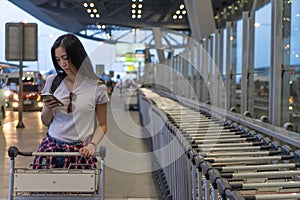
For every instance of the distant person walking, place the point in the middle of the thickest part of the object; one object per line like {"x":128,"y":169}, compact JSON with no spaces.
{"x":40,"y":82}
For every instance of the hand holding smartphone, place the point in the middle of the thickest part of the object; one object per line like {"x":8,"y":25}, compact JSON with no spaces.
{"x":51,"y":96}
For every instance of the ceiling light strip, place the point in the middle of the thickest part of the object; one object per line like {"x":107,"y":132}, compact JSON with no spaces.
{"x":91,"y":9}
{"x":180,"y":12}
{"x":136,"y":9}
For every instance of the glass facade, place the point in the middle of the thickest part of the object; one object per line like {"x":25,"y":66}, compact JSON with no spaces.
{"x":247,"y":65}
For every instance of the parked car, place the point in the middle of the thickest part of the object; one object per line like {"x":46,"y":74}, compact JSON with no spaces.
{"x":12,"y":84}
{"x":31,"y":98}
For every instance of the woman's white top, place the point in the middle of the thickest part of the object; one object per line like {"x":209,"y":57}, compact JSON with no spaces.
{"x":81,"y":123}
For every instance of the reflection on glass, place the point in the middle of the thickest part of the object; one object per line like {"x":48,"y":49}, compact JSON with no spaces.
{"x":262,"y":39}
{"x":224,"y":53}
{"x":291,"y":60}
{"x":238,"y":75}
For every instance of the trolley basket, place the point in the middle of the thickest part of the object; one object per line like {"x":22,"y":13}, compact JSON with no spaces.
{"x":55,"y":183}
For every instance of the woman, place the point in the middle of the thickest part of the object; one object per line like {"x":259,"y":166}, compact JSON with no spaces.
{"x":80,"y":124}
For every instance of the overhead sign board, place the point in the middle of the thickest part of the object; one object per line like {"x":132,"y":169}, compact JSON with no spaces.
{"x":130,"y":52}
{"x":18,"y":34}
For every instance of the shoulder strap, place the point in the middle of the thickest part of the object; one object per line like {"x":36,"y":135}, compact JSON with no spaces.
{"x":101,"y":81}
{"x":56,"y":81}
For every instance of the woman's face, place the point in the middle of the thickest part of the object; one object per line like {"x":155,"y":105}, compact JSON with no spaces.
{"x":63,"y":60}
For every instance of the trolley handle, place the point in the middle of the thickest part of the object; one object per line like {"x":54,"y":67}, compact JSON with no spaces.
{"x":13,"y":152}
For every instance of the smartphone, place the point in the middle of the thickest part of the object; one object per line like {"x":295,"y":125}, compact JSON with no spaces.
{"x":51,"y":96}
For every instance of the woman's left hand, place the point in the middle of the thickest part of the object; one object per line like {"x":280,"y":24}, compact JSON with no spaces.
{"x":87,"y":151}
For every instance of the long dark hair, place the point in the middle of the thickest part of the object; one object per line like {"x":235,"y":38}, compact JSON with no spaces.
{"x":76,"y":55}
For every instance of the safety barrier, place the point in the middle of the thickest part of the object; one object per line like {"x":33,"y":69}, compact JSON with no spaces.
{"x":203,"y":154}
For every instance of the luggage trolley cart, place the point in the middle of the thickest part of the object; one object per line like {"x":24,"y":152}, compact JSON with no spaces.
{"x":55,"y":183}
{"x":130,"y":99}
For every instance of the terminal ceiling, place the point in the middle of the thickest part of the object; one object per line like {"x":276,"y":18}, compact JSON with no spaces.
{"x":116,"y":15}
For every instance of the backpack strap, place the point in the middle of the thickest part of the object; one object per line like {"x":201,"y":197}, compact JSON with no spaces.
{"x":56,"y":81}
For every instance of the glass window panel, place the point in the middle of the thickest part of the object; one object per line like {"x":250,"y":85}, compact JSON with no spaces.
{"x":224,"y":53}
{"x":295,"y":34}
{"x":238,"y":76}
{"x":291,"y":60}
{"x":262,"y":39}
{"x":239,"y":46}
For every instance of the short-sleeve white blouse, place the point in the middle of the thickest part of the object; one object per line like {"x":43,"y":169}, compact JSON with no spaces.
{"x":79,"y":124}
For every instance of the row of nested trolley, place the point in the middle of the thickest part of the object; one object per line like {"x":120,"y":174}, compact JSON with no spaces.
{"x":203,"y":156}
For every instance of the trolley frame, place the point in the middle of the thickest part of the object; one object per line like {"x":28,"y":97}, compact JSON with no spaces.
{"x":56,"y":183}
